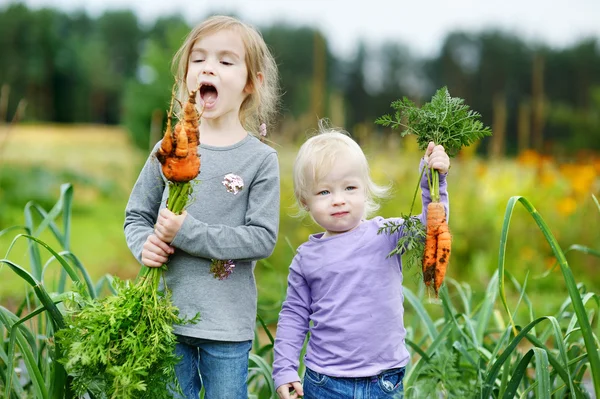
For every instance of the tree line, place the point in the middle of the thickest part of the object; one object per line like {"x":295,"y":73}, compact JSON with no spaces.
{"x":112,"y":69}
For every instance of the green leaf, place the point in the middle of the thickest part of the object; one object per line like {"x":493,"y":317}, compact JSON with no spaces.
{"x":578,"y":305}
{"x":445,"y":120}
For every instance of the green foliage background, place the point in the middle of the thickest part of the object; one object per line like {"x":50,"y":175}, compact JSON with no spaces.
{"x":112,"y":69}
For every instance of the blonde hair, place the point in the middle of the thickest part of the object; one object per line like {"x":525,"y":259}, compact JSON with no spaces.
{"x":315,"y":160}
{"x":260,"y":106}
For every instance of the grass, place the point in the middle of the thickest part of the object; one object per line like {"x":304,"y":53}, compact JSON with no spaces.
{"x":470,"y":349}
{"x":101,"y":164}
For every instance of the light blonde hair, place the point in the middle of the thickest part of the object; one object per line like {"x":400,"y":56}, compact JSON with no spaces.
{"x":260,"y":106}
{"x":315,"y":160}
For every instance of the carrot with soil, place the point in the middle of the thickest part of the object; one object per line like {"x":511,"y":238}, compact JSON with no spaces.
{"x":449,"y":122}
{"x":122,"y":346}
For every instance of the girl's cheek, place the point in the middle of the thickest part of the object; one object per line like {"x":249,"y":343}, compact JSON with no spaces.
{"x":190,"y":80}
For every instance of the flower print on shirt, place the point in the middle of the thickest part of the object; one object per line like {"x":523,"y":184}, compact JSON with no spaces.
{"x":233,"y":183}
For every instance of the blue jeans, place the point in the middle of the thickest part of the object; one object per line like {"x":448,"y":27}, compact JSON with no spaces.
{"x":386,"y":385}
{"x":222,"y":367}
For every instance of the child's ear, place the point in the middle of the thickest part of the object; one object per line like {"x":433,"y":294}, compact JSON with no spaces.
{"x":260,"y":78}
{"x":304,"y":206}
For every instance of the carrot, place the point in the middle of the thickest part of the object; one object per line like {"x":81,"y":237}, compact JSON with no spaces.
{"x":166,"y":146}
{"x":444,"y":243}
{"x":429,"y":254}
{"x":436,"y":223}
{"x":178,"y":153}
{"x":191,"y":118}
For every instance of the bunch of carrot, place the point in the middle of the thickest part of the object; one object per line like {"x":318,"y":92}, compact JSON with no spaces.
{"x":178,"y":155}
{"x":449,"y":122}
{"x":123,"y":346}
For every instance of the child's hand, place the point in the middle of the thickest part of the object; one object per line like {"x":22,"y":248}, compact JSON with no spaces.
{"x":155,"y":252}
{"x":436,"y":158}
{"x":168,"y":224}
{"x":284,"y":390}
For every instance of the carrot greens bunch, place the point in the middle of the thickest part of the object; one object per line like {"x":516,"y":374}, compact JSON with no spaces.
{"x":449,"y":122}
{"x":121,"y":346}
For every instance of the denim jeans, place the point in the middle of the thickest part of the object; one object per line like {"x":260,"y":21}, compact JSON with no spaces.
{"x":222,"y":367}
{"x":386,"y":385}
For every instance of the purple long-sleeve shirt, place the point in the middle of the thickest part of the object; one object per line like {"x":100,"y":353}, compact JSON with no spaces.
{"x":352,"y":293}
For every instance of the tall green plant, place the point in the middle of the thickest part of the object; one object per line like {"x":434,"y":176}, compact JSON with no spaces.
{"x":47,"y":377}
{"x":474,"y":350}
{"x":582,"y":318}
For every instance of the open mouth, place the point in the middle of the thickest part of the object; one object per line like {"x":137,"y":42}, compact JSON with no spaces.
{"x":208,"y":94}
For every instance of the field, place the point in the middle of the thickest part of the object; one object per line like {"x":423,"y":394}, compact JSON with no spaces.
{"x":102,"y":166}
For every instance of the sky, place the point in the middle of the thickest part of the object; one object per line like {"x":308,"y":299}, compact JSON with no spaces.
{"x":420,"y":24}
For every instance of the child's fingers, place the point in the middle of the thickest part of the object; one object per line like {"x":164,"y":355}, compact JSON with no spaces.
{"x":438,"y":148}
{"x":283,"y":392}
{"x":160,"y":244}
{"x":429,"y":149}
{"x":165,"y":213}
{"x":297,"y":386}
{"x":441,"y":167}
{"x":153,"y":256}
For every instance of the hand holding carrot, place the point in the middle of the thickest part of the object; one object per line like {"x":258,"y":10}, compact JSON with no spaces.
{"x":436,"y":158}
{"x":168,"y":224}
{"x":438,"y":239}
{"x":155,"y":252}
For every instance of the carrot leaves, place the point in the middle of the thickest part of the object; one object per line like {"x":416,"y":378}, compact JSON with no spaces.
{"x":445,"y":120}
{"x":122,"y":346}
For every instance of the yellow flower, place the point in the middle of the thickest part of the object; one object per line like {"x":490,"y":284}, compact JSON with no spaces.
{"x":529,"y":157}
{"x":566,"y":206}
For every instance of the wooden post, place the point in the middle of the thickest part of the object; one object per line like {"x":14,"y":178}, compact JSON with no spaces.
{"x":319,"y":66}
{"x":537,"y":133}
{"x":497,"y":143}
{"x":523,"y":127}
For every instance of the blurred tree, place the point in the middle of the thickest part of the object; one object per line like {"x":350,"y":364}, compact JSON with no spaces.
{"x":583,"y":124}
{"x":397,"y":75}
{"x":148,"y":93}
{"x":571,"y":72}
{"x":294,"y":51}
{"x":24,"y":58}
{"x":111,"y":59}
{"x":73,"y":68}
{"x":354,"y":89}
{"x":484,"y":66}
{"x":456,"y":66}
{"x":570,"y":78}
{"x":71,"y":75}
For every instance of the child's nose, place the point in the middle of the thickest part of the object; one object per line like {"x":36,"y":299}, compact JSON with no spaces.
{"x":338,"y":199}
{"x":208,"y":68}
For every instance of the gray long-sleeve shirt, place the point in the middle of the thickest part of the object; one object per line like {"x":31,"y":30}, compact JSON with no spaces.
{"x":220,"y":224}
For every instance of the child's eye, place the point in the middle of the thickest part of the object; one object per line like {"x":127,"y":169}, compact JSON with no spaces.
{"x":226,"y":63}
{"x":350,"y":188}
{"x":197,"y":60}
{"x":323,"y":192}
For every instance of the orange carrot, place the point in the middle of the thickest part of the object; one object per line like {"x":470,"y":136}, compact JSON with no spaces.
{"x":166,"y":146}
{"x":444,"y":243}
{"x":429,"y":257}
{"x":178,"y":153}
{"x":437,"y":245}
